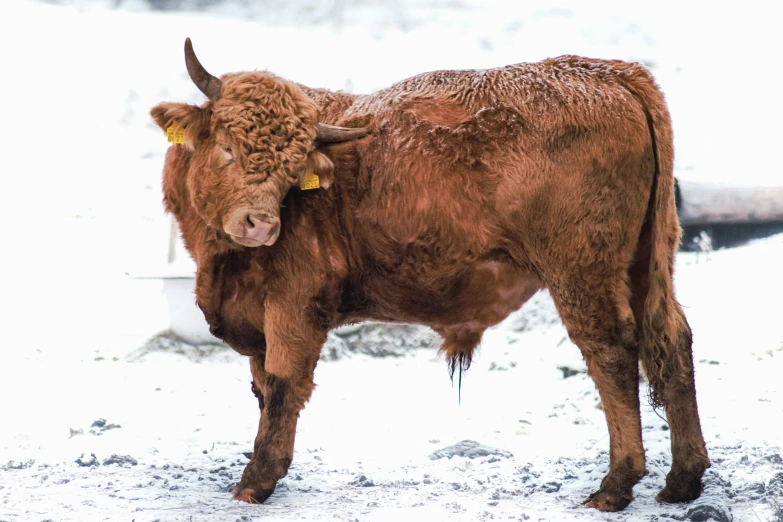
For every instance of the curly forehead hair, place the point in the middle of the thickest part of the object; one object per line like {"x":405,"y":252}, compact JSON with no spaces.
{"x":272,"y":121}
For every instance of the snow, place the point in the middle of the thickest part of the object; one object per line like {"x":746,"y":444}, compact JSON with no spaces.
{"x":81,"y":203}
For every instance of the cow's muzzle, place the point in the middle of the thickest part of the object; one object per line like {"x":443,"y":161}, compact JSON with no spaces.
{"x":252,"y":228}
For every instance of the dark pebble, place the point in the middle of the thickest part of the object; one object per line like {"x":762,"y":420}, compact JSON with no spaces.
{"x":87,"y":462}
{"x":567,"y":372}
{"x":469,"y":449}
{"x":120,"y":460}
{"x":706,"y":513}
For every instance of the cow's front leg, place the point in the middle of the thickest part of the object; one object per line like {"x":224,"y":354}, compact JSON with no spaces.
{"x":284,"y":382}
{"x":258,"y":386}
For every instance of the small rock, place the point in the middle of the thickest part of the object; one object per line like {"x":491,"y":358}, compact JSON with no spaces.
{"x":568,"y":372}
{"x":120,"y":460}
{"x":76,"y":432}
{"x":100,"y":426}
{"x":707,"y":513}
{"x":469,"y":449}
{"x":776,"y":483}
{"x":754,"y":490}
{"x":363,"y":482}
{"x":774,"y":458}
{"x":551,"y":487}
{"x":87,"y":462}
{"x":15,"y":464}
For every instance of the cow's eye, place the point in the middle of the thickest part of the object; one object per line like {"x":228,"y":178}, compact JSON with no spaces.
{"x":227,"y":151}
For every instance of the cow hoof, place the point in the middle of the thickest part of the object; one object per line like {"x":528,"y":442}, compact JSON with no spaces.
{"x":680,"y":491}
{"x":608,"y":501}
{"x":251,"y":495}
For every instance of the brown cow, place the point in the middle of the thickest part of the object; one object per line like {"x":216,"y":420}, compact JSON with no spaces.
{"x":446,"y":200}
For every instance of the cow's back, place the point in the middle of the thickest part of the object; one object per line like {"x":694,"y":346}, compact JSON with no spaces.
{"x":466,"y":163}
{"x":548,"y":93}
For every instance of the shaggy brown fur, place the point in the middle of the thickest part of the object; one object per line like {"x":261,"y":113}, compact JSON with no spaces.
{"x":474,"y":190}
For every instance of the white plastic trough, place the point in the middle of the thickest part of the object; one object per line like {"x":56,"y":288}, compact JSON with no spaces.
{"x":186,"y":320}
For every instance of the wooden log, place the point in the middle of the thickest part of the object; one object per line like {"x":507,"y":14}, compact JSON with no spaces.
{"x":713,"y":204}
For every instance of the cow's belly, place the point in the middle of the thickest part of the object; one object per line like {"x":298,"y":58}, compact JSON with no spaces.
{"x":481,"y":297}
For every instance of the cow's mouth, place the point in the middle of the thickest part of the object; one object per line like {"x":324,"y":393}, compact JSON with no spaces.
{"x":246,"y":241}
{"x":254,"y":243}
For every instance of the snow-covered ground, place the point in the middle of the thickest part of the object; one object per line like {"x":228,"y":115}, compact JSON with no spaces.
{"x":81,"y":206}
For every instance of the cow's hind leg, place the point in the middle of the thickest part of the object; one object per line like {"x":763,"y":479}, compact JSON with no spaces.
{"x":600,"y":323}
{"x":667,"y":359}
{"x":689,"y":453}
{"x":673,"y":385}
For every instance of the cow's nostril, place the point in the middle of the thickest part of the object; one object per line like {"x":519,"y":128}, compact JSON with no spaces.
{"x":257,"y":226}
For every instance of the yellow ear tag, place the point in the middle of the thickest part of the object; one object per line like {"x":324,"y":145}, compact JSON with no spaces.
{"x":310,"y":181}
{"x":178,"y":137}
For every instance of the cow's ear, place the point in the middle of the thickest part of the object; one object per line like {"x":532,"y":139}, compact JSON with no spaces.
{"x":182,"y":122}
{"x":320,"y":165}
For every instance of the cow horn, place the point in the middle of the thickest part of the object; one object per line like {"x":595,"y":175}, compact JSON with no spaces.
{"x":334,"y":134}
{"x":205,"y":82}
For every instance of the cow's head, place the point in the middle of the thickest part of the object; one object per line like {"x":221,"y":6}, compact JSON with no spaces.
{"x":252,"y":141}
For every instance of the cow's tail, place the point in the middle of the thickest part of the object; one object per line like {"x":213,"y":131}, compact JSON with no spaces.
{"x":665,"y":337}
